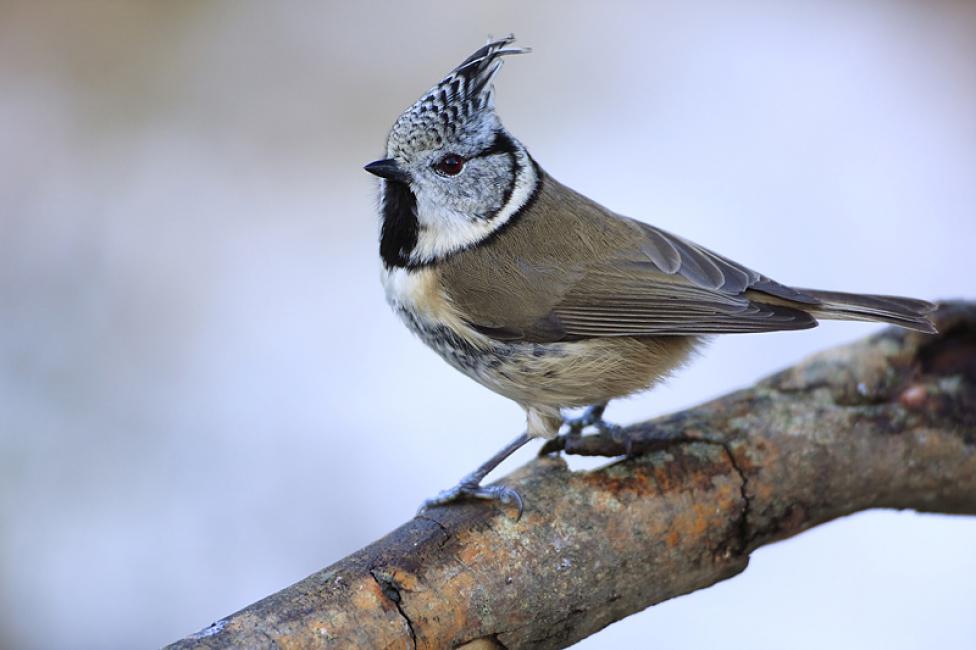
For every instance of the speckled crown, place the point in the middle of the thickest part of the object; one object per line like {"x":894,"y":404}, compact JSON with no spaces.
{"x":447,"y":109}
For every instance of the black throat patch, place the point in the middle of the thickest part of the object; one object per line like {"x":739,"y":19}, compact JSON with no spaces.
{"x":398,"y":234}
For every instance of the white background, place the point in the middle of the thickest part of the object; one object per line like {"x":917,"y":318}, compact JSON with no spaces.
{"x":203,"y":396}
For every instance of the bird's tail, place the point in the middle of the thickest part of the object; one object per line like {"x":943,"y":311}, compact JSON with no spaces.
{"x":904,"y":312}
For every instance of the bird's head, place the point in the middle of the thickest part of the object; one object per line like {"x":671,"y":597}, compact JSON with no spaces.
{"x":453,"y":174}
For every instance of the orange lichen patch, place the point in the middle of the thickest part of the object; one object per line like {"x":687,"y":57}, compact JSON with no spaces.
{"x":341,"y":629}
{"x":762,"y":491}
{"x":470,"y":553}
{"x":690,"y":474}
{"x":703,"y":516}
{"x":673,"y":538}
{"x":617,"y":482}
{"x":444,"y":612}
{"x":292,"y":642}
{"x":664,"y":480}
{"x":318,"y":633}
{"x":750,"y":455}
{"x":755,"y":460}
{"x":367,"y":595}
{"x":726,"y":494}
{"x":405,"y":579}
{"x":695,"y":521}
{"x":683,"y":466}
{"x":685,"y":528}
{"x":463,"y":582}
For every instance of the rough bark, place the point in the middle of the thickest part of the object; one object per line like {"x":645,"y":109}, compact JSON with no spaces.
{"x":889,"y":422}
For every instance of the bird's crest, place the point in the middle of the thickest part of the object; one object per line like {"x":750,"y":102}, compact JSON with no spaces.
{"x":454,"y":105}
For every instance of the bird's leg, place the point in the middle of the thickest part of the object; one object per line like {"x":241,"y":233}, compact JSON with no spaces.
{"x":470,"y":485}
{"x":591,"y":417}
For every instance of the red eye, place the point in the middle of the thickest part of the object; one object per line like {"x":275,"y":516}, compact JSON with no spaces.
{"x":450,"y":165}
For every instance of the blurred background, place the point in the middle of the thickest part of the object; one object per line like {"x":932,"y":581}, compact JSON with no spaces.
{"x":203,"y":396}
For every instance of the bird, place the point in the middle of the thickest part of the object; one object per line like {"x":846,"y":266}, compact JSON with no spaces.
{"x":540,"y":293}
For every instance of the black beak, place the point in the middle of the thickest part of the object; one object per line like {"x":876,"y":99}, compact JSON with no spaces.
{"x":388,"y":169}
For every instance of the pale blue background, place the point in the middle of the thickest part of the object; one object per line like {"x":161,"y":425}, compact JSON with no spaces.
{"x":203,"y":396}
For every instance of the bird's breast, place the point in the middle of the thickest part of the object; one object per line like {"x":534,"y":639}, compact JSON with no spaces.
{"x":417,"y":291}
{"x":575,"y":373}
{"x":418,"y":298}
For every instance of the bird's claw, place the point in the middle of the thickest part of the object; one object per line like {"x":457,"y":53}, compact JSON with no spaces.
{"x":501,"y":493}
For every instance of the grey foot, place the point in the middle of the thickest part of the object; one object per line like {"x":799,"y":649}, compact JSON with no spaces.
{"x":470,"y":485}
{"x":591,"y":417}
{"x":500,"y":493}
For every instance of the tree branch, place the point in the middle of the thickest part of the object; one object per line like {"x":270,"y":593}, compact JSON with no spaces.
{"x":889,"y":422}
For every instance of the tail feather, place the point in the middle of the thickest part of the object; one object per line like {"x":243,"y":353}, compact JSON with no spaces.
{"x":904,"y":312}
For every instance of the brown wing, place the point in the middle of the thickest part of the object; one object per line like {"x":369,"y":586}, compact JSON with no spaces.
{"x":665,"y":285}
{"x":569,"y":269}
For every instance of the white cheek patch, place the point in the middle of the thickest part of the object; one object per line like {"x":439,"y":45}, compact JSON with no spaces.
{"x":444,"y":231}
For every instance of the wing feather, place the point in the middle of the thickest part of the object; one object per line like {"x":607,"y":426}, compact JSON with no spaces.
{"x":574,"y":270}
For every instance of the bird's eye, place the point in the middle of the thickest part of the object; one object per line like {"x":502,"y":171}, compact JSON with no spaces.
{"x":450,"y":165}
